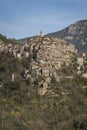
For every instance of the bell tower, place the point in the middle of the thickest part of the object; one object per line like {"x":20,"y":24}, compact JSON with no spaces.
{"x":41,"y":34}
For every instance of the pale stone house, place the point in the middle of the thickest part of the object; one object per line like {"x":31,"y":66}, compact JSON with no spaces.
{"x":84,"y":75}
{"x":80,"y":61}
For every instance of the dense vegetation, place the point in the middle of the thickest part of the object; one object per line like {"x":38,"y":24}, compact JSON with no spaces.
{"x":63,"y":107}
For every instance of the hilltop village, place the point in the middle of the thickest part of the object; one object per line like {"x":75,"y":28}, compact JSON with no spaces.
{"x":47,"y":56}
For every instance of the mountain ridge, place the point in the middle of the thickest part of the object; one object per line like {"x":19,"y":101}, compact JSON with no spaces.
{"x":74,"y":33}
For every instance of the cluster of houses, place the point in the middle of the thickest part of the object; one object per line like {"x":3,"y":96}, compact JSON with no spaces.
{"x":17,"y":50}
{"x":47,"y":54}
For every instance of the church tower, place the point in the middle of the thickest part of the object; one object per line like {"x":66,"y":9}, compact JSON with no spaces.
{"x":41,"y":34}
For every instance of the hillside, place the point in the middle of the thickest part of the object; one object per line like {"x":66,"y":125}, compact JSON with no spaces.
{"x":40,"y":87}
{"x":76,"y":33}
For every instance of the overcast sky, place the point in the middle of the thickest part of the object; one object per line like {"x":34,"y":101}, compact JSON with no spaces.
{"x":23,"y":18}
